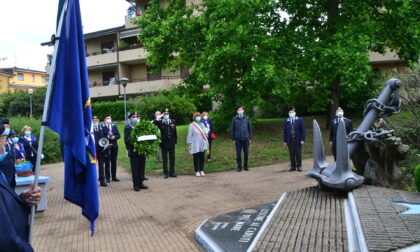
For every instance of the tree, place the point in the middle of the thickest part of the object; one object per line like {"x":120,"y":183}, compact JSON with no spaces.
{"x":245,"y":52}
{"x":332,"y":39}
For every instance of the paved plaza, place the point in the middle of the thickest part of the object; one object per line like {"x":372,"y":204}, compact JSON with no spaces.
{"x":162,"y":218}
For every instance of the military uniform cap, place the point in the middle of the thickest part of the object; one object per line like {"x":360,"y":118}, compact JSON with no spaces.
{"x":95,"y":117}
{"x":132,"y":114}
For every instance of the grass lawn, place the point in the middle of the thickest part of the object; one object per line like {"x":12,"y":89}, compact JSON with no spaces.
{"x":266,"y":148}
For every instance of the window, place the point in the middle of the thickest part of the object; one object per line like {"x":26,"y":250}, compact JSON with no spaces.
{"x":33,"y":78}
{"x":153,"y":76}
{"x":107,"y":47}
{"x":20,"y":76}
{"x":107,"y":77}
{"x":43,"y":78}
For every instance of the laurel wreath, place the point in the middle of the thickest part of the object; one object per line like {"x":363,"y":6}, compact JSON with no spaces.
{"x":145,"y":148}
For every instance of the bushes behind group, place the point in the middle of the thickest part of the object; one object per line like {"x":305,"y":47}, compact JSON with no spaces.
{"x":51,"y":147}
{"x":181,"y":108}
{"x":115,"y":108}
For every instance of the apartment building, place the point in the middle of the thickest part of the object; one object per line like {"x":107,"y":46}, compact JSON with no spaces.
{"x":14,"y":78}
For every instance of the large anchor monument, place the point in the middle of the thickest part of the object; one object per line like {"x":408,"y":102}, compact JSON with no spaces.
{"x":340,"y":175}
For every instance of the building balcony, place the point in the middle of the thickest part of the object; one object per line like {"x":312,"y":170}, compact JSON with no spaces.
{"x":132,"y":55}
{"x":96,"y":59}
{"x":139,"y":86}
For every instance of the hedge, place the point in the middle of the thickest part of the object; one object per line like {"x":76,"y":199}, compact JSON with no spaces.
{"x":115,"y":109}
{"x":181,"y":108}
{"x":51,"y":148}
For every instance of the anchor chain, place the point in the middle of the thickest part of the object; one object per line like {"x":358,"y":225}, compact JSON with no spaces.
{"x":368,"y":135}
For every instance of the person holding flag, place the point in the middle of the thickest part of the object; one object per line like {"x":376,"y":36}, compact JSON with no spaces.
{"x":68,"y":111}
{"x":197,"y":144}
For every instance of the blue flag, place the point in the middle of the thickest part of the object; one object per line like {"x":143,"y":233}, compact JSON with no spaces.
{"x":70,"y":115}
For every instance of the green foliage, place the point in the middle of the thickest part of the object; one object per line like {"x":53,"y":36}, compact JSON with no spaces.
{"x":17,"y":103}
{"x":181,"y":108}
{"x":115,"y":108}
{"x":417,"y":177}
{"x":248,"y":54}
{"x":145,"y":148}
{"x":51,"y":147}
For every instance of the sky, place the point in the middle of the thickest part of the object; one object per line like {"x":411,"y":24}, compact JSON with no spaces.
{"x":24,"y":24}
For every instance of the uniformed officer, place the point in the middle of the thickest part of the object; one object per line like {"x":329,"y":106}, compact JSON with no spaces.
{"x":294,"y":134}
{"x":168,"y":138}
{"x":110,"y":131}
{"x":334,"y":126}
{"x":100,"y":153}
{"x":137,"y":162}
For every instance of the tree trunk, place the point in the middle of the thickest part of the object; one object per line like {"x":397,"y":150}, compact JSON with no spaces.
{"x":335,"y":101}
{"x":332,"y":7}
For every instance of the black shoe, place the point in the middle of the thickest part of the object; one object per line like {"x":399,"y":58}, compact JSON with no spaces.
{"x":102,"y":183}
{"x":173,"y":176}
{"x":136,"y":188}
{"x":299,"y":169}
{"x":166,"y":176}
{"x":292,"y":169}
{"x":115,"y":179}
{"x":143,"y":187}
{"x":145,"y":178}
{"x":239,"y":169}
{"x":246,"y":169}
{"x":108,"y":181}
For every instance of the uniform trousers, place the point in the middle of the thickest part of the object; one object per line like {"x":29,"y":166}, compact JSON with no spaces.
{"x":111,"y":160}
{"x":171,"y":152}
{"x":138,"y":163}
{"x":295,"y":152}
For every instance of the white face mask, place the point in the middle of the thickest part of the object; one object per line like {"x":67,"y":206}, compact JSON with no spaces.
{"x":108,"y":121}
{"x":240,"y":112}
{"x":205,"y":117}
{"x":339,"y":114}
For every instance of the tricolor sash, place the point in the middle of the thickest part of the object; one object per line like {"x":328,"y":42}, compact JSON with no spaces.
{"x":203,"y":134}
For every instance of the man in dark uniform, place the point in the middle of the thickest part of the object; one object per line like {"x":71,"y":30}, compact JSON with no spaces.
{"x":100,"y":154}
{"x":294,"y":137}
{"x":137,"y":162}
{"x":334,"y":126}
{"x":14,"y":211}
{"x":168,"y":139}
{"x":110,"y":131}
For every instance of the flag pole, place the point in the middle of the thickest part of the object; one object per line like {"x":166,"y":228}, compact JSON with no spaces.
{"x":56,"y":42}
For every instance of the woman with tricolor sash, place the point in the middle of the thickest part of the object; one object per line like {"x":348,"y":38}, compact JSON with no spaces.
{"x":197,"y":143}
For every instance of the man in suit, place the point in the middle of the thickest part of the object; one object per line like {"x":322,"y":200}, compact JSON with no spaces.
{"x":241,"y":134}
{"x":168,"y":137}
{"x":14,"y":210}
{"x":333,"y":129}
{"x":100,"y":153}
{"x":294,"y":137}
{"x":137,"y":162}
{"x":110,"y":131}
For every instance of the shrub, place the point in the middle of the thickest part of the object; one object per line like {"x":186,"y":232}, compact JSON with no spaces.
{"x":115,"y":108}
{"x":17,"y":103}
{"x":417,"y":177}
{"x":51,"y":147}
{"x":181,"y":108}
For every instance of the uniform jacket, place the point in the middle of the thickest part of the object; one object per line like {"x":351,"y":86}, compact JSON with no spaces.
{"x":14,"y":220}
{"x":30,"y":146}
{"x":299,"y":127}
{"x":168,"y":134}
{"x":334,"y":127}
{"x":240,"y":128}
{"x":127,"y":132}
{"x":98,"y":134}
{"x":7,"y":166}
{"x":115,"y":132}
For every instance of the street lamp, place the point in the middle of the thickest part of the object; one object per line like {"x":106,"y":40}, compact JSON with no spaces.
{"x":30,"y":92}
{"x":124,"y":82}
